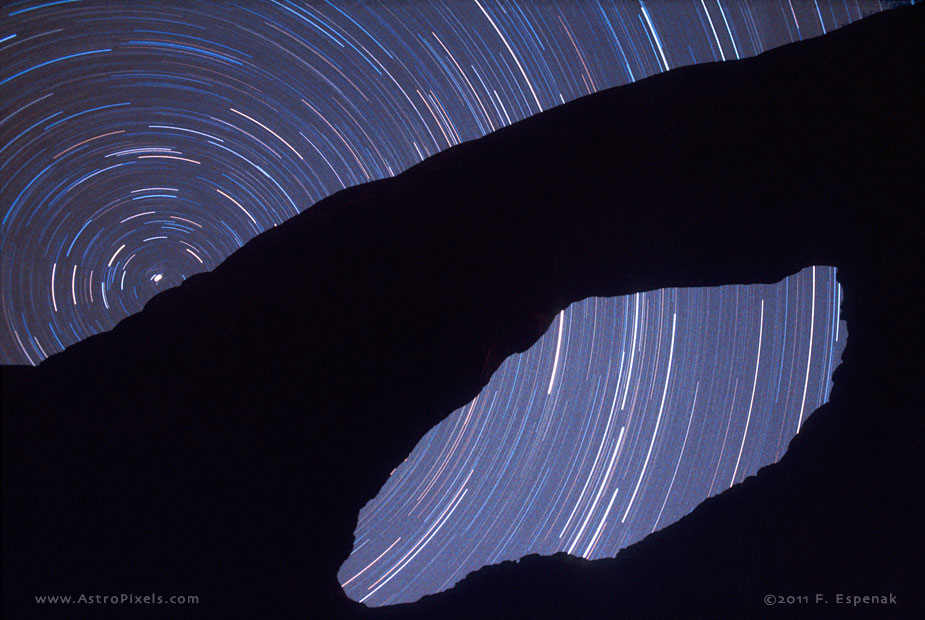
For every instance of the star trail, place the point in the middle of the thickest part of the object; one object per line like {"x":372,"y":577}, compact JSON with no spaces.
{"x":141,"y":143}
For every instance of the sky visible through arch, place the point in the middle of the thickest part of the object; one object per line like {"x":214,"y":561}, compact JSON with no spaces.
{"x":623,"y":417}
{"x":141,"y":143}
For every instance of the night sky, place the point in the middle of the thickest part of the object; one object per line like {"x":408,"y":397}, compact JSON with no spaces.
{"x":140,"y":144}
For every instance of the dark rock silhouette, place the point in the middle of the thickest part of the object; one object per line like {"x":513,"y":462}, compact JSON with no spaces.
{"x":221,"y":442}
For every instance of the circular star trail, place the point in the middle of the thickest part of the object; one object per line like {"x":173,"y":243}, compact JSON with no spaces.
{"x":141,"y":143}
{"x":623,"y":417}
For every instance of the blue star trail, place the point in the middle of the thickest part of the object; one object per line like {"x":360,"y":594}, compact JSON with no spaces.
{"x":143,"y":143}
